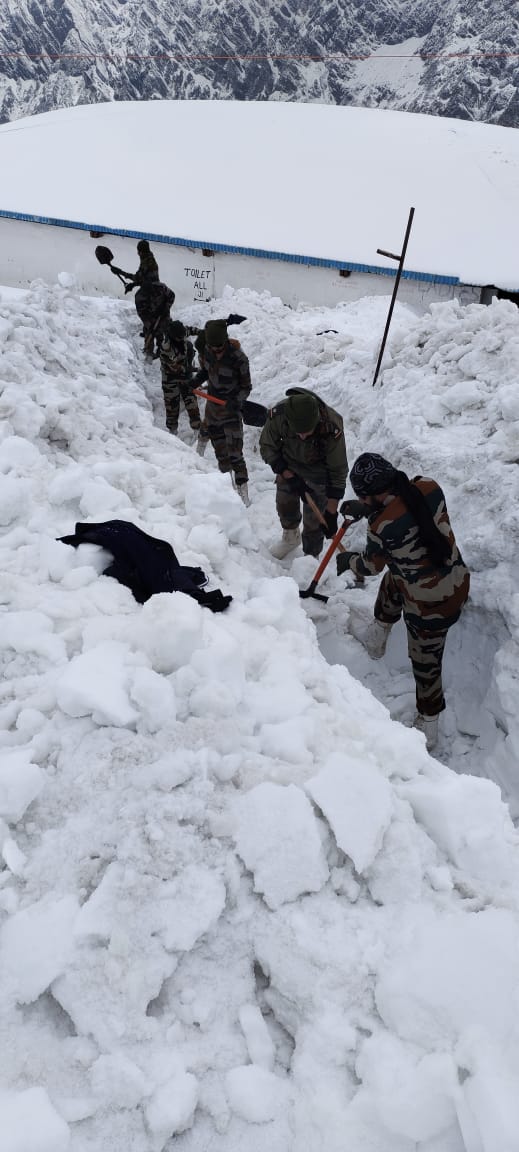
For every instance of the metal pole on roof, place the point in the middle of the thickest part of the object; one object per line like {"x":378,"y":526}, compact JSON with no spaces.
{"x":400,"y":258}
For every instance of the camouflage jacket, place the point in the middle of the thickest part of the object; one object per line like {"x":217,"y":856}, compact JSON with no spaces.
{"x":430,"y":592}
{"x":320,"y":460}
{"x":227,"y":377}
{"x":148,"y":270}
{"x":176,"y":359}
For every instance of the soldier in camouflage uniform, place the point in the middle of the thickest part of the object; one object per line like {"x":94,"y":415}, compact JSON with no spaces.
{"x":409,"y":532}
{"x":153,"y":299}
{"x":176,"y":365}
{"x":147,"y":272}
{"x":303,"y":441}
{"x":225,"y":371}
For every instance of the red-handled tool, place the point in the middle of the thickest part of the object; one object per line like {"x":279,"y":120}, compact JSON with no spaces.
{"x":207,"y":396}
{"x":334,"y":544}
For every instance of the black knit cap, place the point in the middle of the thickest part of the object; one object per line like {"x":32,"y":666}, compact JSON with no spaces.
{"x":371,"y":474}
{"x":176,"y":330}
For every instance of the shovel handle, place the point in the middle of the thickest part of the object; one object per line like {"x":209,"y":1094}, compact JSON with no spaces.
{"x":207,"y":396}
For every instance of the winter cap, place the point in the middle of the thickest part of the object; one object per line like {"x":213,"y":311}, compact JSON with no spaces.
{"x":302,"y":412}
{"x":371,"y":474}
{"x":215,"y":333}
{"x":176,"y":330}
{"x":143,"y":246}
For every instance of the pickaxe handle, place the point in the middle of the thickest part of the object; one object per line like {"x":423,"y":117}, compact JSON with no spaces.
{"x":318,"y":514}
{"x":359,"y":580}
{"x":207,"y":396}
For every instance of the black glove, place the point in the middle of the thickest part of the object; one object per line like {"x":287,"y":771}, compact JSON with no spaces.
{"x":355,"y":509}
{"x":128,"y":288}
{"x":343,"y":562}
{"x":298,"y":485}
{"x":331,"y":524}
{"x":234,"y":318}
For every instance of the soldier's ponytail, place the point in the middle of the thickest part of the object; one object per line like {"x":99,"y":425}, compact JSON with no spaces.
{"x":437,"y":545}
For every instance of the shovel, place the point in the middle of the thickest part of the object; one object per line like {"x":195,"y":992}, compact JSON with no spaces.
{"x":305,"y":593}
{"x":105,"y":256}
{"x":253,"y":414}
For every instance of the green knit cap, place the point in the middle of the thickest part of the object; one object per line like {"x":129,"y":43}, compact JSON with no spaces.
{"x":302,"y":412}
{"x":215,"y":333}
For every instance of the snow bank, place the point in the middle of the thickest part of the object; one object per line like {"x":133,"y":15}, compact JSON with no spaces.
{"x":241,"y":906}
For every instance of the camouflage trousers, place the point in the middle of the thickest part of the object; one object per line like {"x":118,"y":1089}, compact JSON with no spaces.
{"x":425,"y":647}
{"x":288,"y":507}
{"x":226,"y":436}
{"x":173,"y":391}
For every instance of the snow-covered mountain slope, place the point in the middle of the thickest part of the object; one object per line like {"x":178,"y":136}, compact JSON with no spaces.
{"x":240,"y":907}
{"x":60,"y":54}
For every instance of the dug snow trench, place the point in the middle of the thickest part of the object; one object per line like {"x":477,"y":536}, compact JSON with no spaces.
{"x":473,"y":733}
{"x":479,"y":732}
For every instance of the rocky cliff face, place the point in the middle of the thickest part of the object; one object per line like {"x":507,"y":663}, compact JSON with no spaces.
{"x":402,"y":54}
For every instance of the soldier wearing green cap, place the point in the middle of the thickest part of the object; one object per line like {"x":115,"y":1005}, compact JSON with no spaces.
{"x":176,"y":366}
{"x":303,"y":441}
{"x":224,"y":368}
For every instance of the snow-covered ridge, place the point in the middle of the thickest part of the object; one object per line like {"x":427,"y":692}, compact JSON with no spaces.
{"x":240,"y":906}
{"x":461,"y":57}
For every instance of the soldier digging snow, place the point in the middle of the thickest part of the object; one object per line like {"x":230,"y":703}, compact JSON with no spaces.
{"x":176,"y":365}
{"x":225,"y":368}
{"x":303,"y":441}
{"x":153,"y":299}
{"x":409,"y":532}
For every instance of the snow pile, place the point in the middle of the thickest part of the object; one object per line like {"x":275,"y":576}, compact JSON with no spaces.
{"x":241,"y":907}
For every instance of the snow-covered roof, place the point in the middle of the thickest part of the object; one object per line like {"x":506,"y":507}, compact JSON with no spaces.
{"x":306,"y":182}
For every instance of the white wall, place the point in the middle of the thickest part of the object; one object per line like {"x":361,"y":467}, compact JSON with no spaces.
{"x":40,"y":251}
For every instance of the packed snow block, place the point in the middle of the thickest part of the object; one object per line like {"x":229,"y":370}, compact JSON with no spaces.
{"x":171,"y":1109}
{"x":211,"y":499}
{"x":451,"y":979}
{"x":190,"y":906}
{"x":15,"y":499}
{"x":96,"y":683}
{"x":414,"y":1094}
{"x":257,"y":1036}
{"x":32,"y":632}
{"x":118,"y":1082}
{"x":154,"y":696}
{"x":178,"y":912}
{"x":107,"y":991}
{"x":35,"y":947}
{"x":466,"y":817}
{"x":21,"y":782}
{"x":492,"y":1098}
{"x":29,"y":1123}
{"x":255,"y":1094}
{"x":169,"y":629}
{"x":278,"y":839}
{"x":357,"y":801}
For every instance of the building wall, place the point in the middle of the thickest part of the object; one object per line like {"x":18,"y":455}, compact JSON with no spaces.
{"x":31,"y":251}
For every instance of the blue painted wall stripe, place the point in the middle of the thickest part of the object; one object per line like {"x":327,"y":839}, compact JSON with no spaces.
{"x":314,"y":261}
